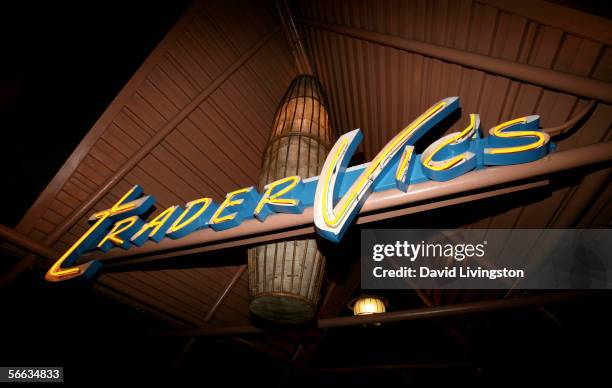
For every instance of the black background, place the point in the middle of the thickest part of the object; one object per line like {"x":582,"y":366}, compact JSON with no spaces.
{"x":61,"y":64}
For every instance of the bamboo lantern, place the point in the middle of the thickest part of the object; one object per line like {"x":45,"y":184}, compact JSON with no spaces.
{"x":368,"y":304}
{"x":285,"y":277}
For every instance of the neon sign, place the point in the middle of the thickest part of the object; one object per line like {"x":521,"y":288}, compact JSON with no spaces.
{"x":337,"y":194}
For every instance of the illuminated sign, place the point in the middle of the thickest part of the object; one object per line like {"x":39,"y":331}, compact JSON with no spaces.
{"x":337,"y":194}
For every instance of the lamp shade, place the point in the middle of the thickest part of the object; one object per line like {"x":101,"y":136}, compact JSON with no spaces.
{"x":368,"y":304}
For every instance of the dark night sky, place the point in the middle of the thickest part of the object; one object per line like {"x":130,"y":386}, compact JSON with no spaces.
{"x":61,"y":64}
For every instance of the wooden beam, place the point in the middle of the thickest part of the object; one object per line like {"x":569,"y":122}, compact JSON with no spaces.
{"x":444,"y":326}
{"x":295,"y":41}
{"x":211,"y":313}
{"x":241,"y":238}
{"x":400,"y":316}
{"x":556,"y":80}
{"x":334,"y":303}
{"x":556,"y":15}
{"x":23,"y":241}
{"x":419,"y":197}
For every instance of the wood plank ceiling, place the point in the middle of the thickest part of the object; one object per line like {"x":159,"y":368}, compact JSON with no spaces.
{"x":380,"y":89}
{"x":215,"y":147}
{"x":215,"y":121}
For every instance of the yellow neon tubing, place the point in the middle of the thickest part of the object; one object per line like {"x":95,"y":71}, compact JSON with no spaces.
{"x":215,"y":219}
{"x":56,"y":270}
{"x":497,"y":131}
{"x":273,"y":199}
{"x":117,"y":229}
{"x":155,"y":223}
{"x":406,"y":132}
{"x":456,"y":159}
{"x":118,"y":208}
{"x":179,"y":224}
{"x":403,"y":164}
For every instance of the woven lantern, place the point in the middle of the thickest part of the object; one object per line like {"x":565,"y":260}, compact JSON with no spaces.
{"x":285,"y":277}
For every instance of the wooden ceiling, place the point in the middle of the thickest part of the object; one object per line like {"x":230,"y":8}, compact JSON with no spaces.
{"x":380,"y":89}
{"x":195,"y":118}
{"x":202,"y":103}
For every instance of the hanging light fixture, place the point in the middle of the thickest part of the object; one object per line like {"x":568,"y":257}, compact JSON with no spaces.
{"x":368,"y":304}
